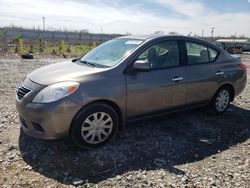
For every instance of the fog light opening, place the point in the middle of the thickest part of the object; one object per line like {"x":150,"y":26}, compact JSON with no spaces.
{"x":37,"y":127}
{"x":23,"y":122}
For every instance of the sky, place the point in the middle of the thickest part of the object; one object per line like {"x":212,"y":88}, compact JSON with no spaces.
{"x":131,"y":16}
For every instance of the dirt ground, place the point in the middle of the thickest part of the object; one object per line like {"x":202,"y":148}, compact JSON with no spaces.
{"x":185,"y":149}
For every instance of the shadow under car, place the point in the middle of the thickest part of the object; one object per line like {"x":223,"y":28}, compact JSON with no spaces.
{"x":158,"y":143}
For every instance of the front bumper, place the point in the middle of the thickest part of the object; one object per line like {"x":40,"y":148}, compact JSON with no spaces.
{"x":48,"y":120}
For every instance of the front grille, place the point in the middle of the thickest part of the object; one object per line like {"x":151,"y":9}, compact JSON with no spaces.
{"x":22,"y":91}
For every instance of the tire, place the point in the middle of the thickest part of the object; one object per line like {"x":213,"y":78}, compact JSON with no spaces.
{"x":90,"y":122}
{"x":27,"y":56}
{"x":220,"y":101}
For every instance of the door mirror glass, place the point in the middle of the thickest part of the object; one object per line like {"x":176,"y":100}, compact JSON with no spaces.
{"x":142,"y":65}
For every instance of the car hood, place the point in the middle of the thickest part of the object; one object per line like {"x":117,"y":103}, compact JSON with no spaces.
{"x":59,"y":72}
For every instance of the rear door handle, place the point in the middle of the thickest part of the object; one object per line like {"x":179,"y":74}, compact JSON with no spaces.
{"x":219,"y":73}
{"x":177,"y":79}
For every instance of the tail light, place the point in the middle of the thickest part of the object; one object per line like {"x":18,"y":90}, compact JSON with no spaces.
{"x":243,"y":66}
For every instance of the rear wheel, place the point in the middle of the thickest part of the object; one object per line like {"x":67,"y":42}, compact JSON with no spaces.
{"x":220,"y":101}
{"x":94,"y":126}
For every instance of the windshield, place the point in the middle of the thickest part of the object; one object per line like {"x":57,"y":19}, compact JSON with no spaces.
{"x":110,"y":53}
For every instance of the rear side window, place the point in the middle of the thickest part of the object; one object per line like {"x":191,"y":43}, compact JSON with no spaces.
{"x":197,"y":53}
{"x":212,"y":54}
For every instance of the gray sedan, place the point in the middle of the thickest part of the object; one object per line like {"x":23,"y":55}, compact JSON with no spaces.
{"x":89,"y":99}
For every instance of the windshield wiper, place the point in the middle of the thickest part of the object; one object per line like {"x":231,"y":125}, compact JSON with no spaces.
{"x":88,"y":63}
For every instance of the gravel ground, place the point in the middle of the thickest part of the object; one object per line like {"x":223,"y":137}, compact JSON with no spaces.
{"x":185,"y":149}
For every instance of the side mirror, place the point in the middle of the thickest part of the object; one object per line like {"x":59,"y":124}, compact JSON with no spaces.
{"x":74,"y":60}
{"x":142,"y":65}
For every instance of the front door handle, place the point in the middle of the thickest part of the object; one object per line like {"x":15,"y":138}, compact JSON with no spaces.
{"x":177,"y":79}
{"x":219,"y":73}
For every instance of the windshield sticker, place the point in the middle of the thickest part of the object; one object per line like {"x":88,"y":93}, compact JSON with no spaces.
{"x":133,"y":42}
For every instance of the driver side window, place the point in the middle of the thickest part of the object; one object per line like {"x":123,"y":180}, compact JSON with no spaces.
{"x":162,"y":55}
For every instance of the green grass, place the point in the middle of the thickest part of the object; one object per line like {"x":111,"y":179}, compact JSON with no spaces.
{"x":54,"y":49}
{"x":81,"y":48}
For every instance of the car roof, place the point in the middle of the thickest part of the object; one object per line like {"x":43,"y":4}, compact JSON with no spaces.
{"x":138,"y":37}
{"x":148,"y":37}
{"x":181,"y":37}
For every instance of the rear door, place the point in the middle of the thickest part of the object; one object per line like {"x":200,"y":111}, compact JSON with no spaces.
{"x":162,"y":87}
{"x":203,"y":72}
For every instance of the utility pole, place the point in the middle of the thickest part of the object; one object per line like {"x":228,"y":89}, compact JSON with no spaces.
{"x":212,"y":32}
{"x":43,"y":22}
{"x":202,"y":33}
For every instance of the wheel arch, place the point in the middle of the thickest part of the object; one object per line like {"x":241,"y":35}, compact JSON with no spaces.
{"x":107,"y":102}
{"x":230,"y":86}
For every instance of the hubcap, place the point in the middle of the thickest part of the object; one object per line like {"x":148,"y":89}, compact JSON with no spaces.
{"x":96,"y":127}
{"x":222,"y":100}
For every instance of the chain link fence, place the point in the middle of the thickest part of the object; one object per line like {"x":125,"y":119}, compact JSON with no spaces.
{"x":30,"y":34}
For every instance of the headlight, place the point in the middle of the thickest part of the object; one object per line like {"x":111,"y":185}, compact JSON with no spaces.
{"x":55,"y":92}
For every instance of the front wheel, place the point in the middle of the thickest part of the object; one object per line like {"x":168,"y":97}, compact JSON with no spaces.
{"x":220,"y":101}
{"x":94,"y":126}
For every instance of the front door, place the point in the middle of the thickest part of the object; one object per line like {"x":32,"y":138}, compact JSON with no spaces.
{"x":162,"y":87}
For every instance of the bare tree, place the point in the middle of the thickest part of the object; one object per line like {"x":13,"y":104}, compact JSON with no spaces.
{"x":173,"y":33}
{"x":158,"y":32}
